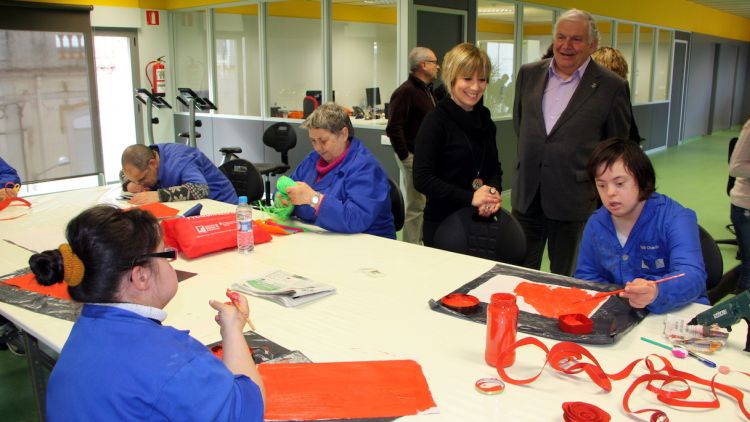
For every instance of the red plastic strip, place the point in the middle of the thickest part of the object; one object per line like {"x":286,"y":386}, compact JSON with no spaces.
{"x":5,"y":203}
{"x":661,"y":379}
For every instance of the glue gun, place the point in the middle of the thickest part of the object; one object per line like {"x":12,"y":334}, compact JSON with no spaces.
{"x":726,"y":314}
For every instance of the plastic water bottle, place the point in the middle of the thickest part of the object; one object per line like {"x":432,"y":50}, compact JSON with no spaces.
{"x":245,"y":241}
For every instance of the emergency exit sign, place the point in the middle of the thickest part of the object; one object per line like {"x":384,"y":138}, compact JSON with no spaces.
{"x":152,"y":17}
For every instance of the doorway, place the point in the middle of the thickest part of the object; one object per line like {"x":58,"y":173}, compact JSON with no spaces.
{"x":116,"y":59}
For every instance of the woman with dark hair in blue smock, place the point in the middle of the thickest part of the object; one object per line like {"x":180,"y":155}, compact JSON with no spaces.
{"x":639,"y":235}
{"x":120,"y":362}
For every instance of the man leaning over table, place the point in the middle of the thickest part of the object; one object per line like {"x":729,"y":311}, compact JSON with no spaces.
{"x":172,"y":172}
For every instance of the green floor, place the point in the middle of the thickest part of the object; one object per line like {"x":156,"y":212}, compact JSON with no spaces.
{"x":695,"y":174}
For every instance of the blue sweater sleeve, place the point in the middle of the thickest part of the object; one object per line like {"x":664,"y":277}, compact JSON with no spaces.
{"x":8,"y":174}
{"x":685,"y":256}
{"x":355,"y":209}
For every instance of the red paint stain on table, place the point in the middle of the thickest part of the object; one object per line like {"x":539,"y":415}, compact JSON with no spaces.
{"x":552,"y":301}
{"x":344,"y":390}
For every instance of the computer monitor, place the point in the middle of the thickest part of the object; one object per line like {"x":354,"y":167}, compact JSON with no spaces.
{"x":373,"y":96}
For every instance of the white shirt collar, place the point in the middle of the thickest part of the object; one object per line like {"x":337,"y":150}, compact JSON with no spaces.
{"x":142,"y":310}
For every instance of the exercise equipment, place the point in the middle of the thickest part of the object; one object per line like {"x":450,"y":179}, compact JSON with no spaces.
{"x":193,"y":102}
{"x":151,"y":101}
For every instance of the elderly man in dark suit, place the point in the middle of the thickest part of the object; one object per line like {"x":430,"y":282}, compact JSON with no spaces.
{"x":563,"y":107}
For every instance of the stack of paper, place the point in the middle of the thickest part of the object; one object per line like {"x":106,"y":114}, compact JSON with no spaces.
{"x":284,"y":288}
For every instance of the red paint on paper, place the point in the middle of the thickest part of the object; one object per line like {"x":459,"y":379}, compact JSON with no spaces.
{"x":552,"y":301}
{"x":345,"y":390}
{"x":28,"y":282}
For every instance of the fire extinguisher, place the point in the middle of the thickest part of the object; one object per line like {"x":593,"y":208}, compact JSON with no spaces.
{"x":157,"y":77}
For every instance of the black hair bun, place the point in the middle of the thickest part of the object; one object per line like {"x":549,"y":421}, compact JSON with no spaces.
{"x":47,"y":267}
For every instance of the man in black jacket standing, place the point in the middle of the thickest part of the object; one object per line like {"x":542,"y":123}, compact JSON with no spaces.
{"x":409,"y":103}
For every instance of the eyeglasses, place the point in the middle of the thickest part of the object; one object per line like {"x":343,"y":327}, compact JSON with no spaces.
{"x":169,"y":253}
{"x":431,"y":61}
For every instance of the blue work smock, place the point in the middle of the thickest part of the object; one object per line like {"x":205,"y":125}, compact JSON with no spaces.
{"x":357,"y":194}
{"x":180,"y":164}
{"x":663,"y":242}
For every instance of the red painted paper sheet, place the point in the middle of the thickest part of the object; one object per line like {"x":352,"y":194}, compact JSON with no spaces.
{"x":345,"y":390}
{"x":28,"y":282}
{"x":552,"y":301}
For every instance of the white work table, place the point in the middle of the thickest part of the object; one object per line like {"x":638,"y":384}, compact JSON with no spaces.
{"x":380,"y":311}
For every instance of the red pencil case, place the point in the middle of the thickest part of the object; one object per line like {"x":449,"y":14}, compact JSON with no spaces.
{"x":203,"y":234}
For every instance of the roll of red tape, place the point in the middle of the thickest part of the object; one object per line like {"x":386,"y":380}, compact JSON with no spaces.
{"x":490,"y":386}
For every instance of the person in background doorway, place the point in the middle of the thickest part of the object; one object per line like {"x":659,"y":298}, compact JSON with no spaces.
{"x":612,"y":59}
{"x":120,"y":362}
{"x":456,"y":161}
{"x":340,"y":187}
{"x":563,"y":107}
{"x":639,"y":235}
{"x":172,"y":172}
{"x":409,"y":103}
{"x":9,"y":181}
{"x":739,"y":167}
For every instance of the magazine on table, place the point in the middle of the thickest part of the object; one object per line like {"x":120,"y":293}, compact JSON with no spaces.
{"x":284,"y":288}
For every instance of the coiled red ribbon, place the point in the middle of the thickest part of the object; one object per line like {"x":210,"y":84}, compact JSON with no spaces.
{"x":566,"y":357}
{"x":577,"y":411}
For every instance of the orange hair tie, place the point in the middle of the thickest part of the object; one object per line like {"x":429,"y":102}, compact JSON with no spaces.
{"x":72,"y":265}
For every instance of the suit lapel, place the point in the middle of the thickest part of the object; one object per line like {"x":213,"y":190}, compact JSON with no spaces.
{"x":586,"y":88}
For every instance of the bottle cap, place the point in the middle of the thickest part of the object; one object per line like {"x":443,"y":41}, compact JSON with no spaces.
{"x":243,"y":200}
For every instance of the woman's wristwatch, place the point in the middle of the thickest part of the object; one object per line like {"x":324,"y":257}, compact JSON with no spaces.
{"x":315,"y":200}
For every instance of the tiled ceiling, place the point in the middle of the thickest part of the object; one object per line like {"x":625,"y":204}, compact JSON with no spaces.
{"x":735,"y":7}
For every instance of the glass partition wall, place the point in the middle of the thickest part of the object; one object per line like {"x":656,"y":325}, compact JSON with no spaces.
{"x":363,"y":36}
{"x":237,"y":42}
{"x":191,"y":61}
{"x":495,"y":34}
{"x":285,"y":37}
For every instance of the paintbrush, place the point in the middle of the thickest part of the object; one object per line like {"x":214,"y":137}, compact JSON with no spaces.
{"x":601,"y":295}
{"x":235,"y":298}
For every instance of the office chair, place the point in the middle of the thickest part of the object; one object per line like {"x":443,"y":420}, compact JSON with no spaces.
{"x":309,"y":104}
{"x":397,"y":205}
{"x":244,"y":177}
{"x":500,"y":240}
{"x":229,"y":154}
{"x":711,"y":258}
{"x":282,"y":137}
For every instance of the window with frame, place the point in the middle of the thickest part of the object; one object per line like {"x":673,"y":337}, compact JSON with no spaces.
{"x":495,"y":35}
